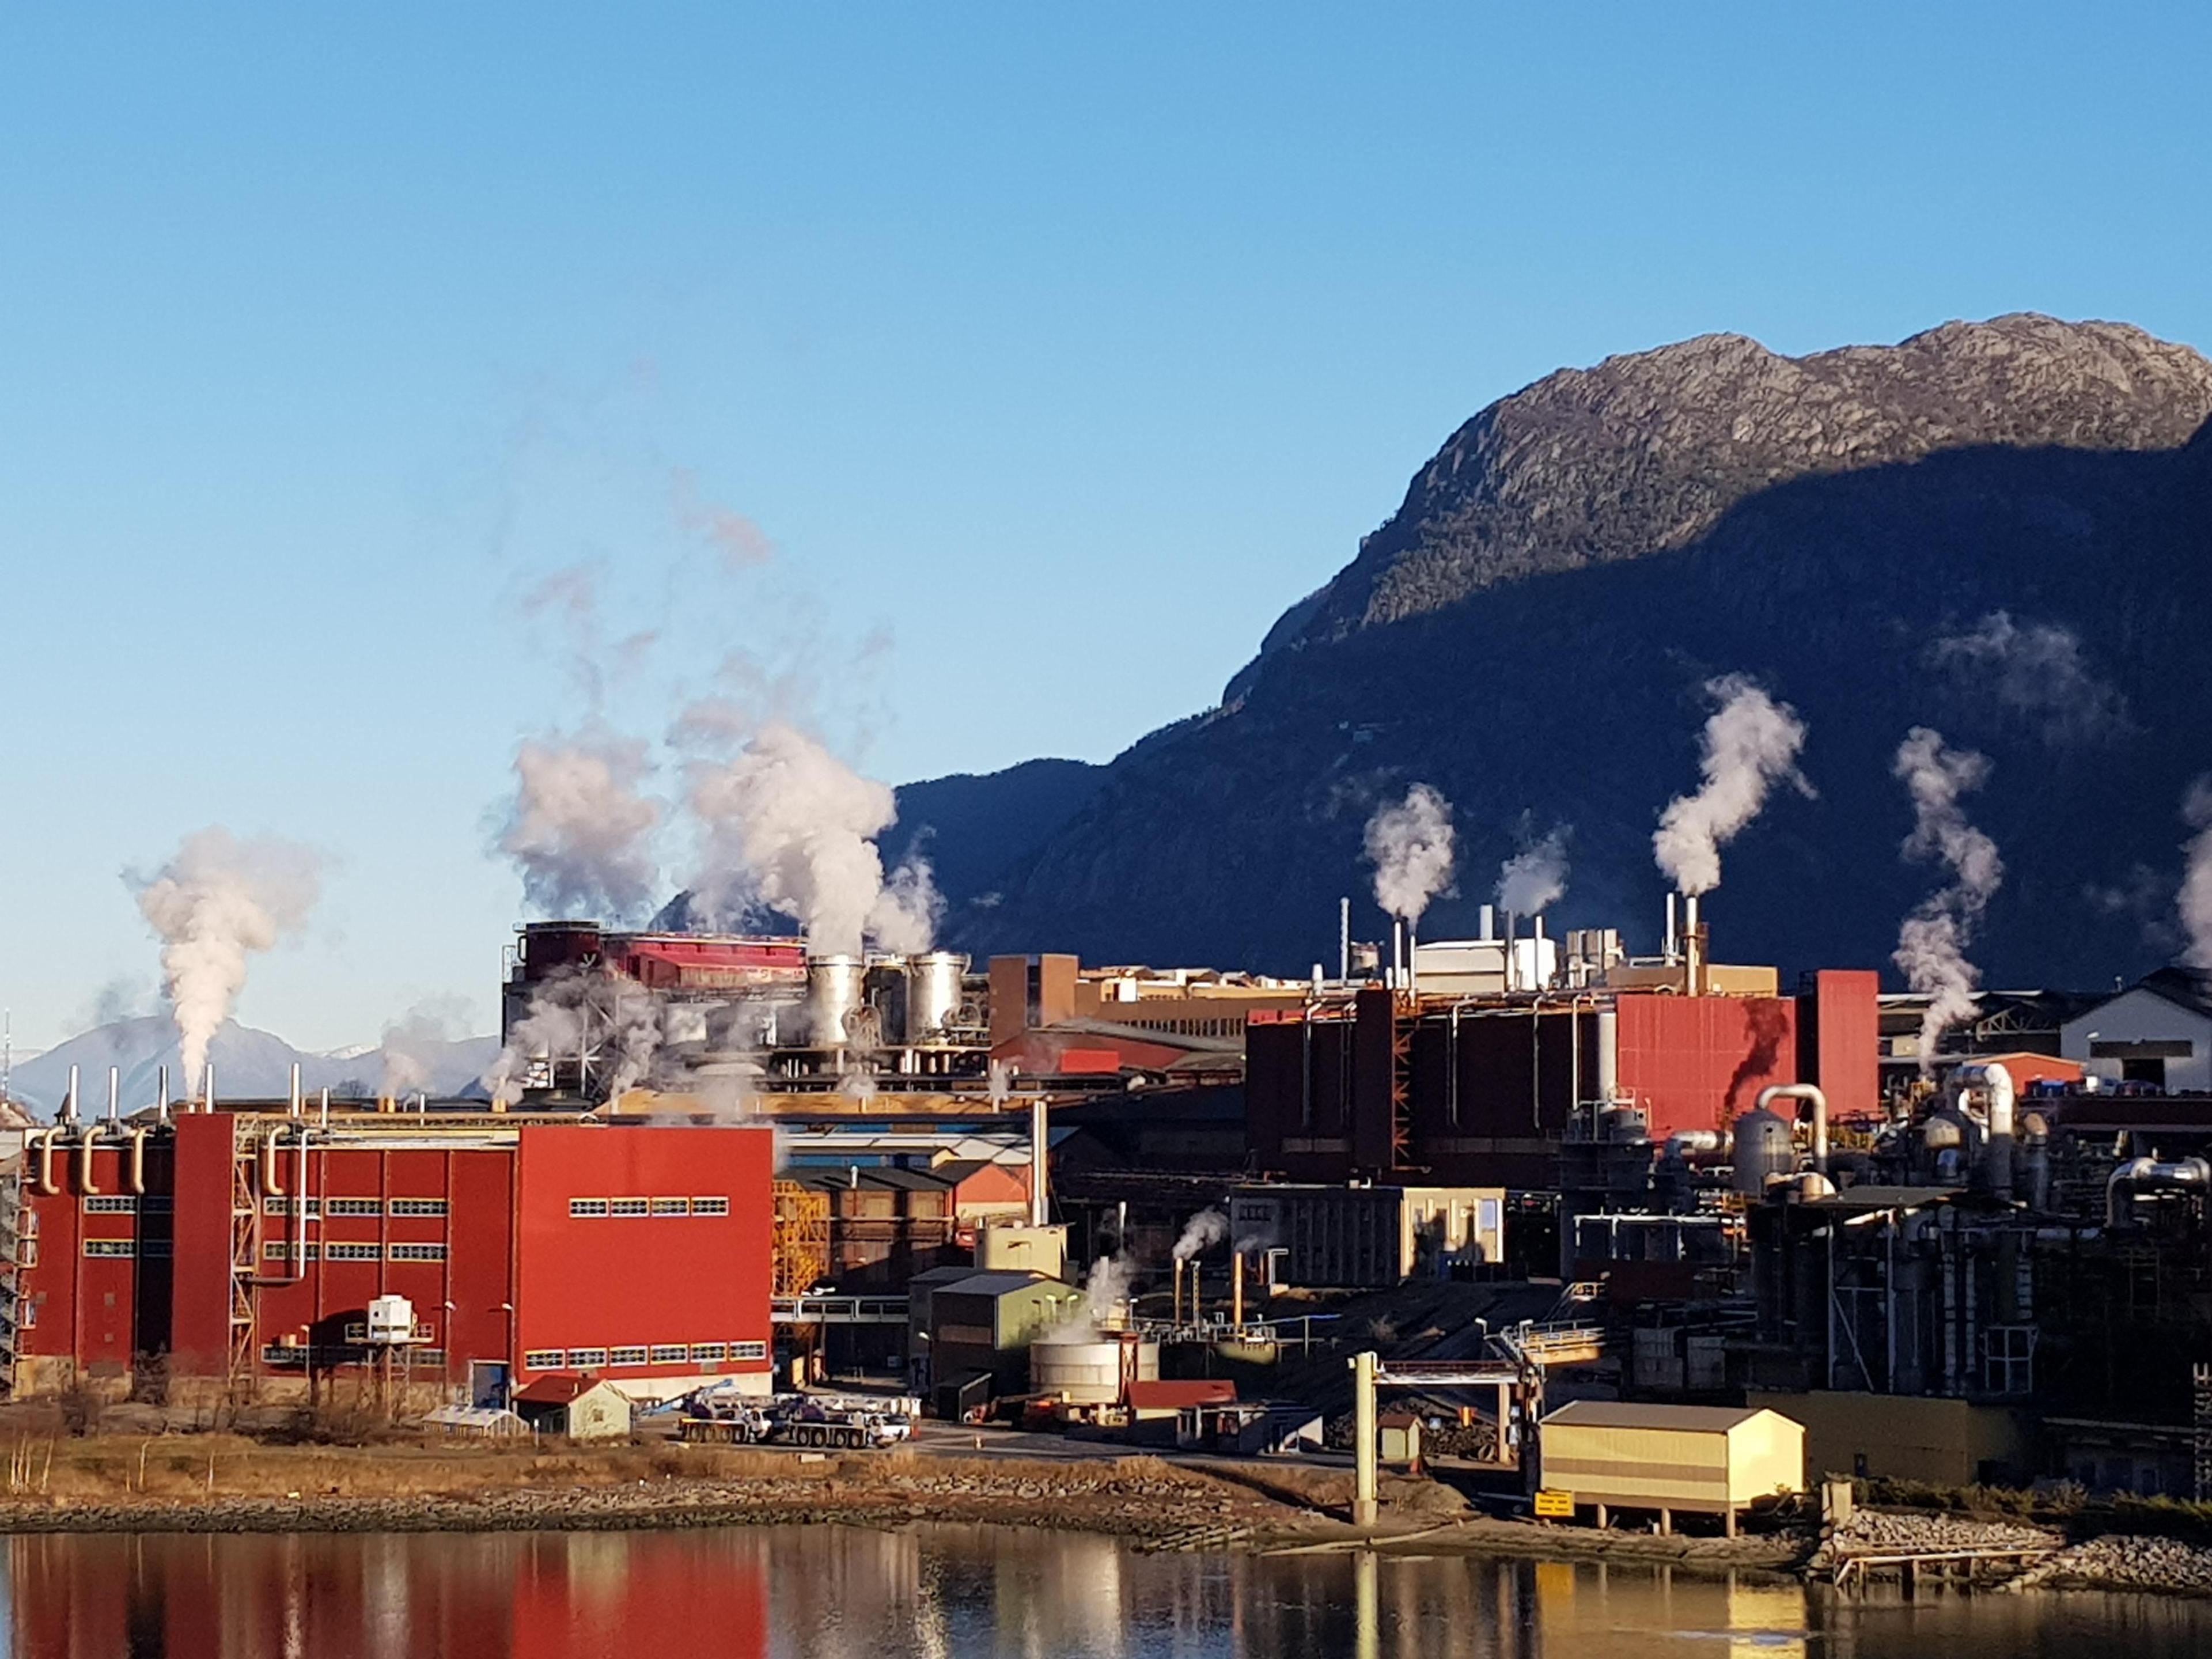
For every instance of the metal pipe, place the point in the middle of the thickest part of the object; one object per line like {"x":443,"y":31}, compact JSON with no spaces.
{"x":138,"y":1161}
{"x":293,"y":1109}
{"x":1343,"y":940}
{"x":1673,"y":943}
{"x":1609,"y":1051}
{"x":1997,"y":1086}
{"x":161,"y":1100}
{"x":1237,"y":1289}
{"x":1177,"y":1318}
{"x":85,"y":1181}
{"x":207,"y":1100}
{"x":271,"y":1180}
{"x":1362,"y":1439}
{"x":1767,"y":1097}
{"x":1693,"y":948}
{"x":1040,"y":1164}
{"x":2179,"y":1176}
{"x":46,"y":1139}
{"x":68,"y":1100}
{"x":114,"y":1094}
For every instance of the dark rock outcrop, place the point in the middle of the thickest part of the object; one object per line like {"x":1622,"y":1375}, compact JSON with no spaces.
{"x":1531,"y":631}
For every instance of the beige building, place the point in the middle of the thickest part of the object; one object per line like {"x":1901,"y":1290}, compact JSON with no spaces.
{"x":1702,"y":1460}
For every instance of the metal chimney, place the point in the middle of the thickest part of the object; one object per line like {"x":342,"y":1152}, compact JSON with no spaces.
{"x":1040,"y":1171}
{"x":68,"y":1101}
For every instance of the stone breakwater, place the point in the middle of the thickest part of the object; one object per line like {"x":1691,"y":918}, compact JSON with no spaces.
{"x":2123,"y":1562}
{"x":1135,"y":1503}
{"x":1876,"y":1532}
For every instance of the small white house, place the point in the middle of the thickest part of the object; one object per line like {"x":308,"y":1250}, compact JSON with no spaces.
{"x":2158,"y":1031}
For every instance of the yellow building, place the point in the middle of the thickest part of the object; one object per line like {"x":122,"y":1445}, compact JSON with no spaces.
{"x":1704,"y":1459}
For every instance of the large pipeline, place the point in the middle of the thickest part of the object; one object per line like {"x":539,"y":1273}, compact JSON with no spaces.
{"x":1767,"y":1097}
{"x":2182,"y":1176}
{"x":1997,"y":1086}
{"x":85,"y":1149}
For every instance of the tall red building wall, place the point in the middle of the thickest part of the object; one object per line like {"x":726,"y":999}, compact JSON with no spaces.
{"x":1697,"y":1062}
{"x":652,"y":1280}
{"x":496,"y":1265}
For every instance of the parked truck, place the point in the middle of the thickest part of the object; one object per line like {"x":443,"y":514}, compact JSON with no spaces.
{"x":724,"y":1417}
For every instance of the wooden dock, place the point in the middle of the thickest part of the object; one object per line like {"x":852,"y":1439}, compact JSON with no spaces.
{"x":1953,"y":1568}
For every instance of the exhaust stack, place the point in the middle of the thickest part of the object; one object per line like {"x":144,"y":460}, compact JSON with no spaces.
{"x":1040,"y":1170}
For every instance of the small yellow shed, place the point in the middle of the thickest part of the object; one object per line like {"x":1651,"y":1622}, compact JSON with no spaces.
{"x":1702,"y":1460}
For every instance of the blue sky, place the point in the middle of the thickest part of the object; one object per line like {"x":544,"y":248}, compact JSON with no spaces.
{"x":1052,"y":347}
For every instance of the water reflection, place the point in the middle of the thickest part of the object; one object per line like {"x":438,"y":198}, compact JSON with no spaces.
{"x":967,"y":1593}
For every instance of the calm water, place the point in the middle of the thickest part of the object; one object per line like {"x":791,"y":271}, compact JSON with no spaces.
{"x":954,"y":1592}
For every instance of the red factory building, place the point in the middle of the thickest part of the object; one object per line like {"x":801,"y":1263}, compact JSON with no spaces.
{"x":1481,"y":1091}
{"x":241,"y":1248}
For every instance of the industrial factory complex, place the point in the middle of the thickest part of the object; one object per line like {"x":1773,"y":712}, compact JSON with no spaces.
{"x":1515,"y":1178}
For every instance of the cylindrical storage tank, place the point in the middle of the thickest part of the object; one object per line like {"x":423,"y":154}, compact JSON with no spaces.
{"x":932,"y":992}
{"x":1086,"y":1371}
{"x":836,"y":987}
{"x":1764,"y":1150}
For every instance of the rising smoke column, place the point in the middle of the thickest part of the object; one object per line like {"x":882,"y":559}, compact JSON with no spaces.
{"x":2194,"y":902}
{"x":589,"y":1011}
{"x":1207,"y":1227}
{"x":1535,"y":877}
{"x":1751,"y":743}
{"x":1410,"y":844}
{"x":581,"y":828}
{"x":217,"y":902}
{"x":1932,"y":944}
{"x":790,"y":828}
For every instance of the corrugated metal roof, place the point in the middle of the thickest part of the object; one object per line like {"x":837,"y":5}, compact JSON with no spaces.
{"x":1615,"y":1414}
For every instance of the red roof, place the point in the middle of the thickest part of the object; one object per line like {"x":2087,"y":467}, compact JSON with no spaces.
{"x":557,"y":1389}
{"x":1175,"y":1396}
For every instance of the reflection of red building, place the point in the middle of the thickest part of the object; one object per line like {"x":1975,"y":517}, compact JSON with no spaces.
{"x":640,"y":1252}
{"x":590,"y":1595}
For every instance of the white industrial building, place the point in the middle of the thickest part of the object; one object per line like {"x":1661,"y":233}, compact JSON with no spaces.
{"x":2158,"y":1031}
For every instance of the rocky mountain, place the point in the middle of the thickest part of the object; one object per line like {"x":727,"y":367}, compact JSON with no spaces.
{"x":248,"y":1064}
{"x":2001,"y":529}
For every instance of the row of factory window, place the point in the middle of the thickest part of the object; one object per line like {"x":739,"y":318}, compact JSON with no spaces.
{"x":658,"y":1353}
{"x":580,"y":1208}
{"x":292,"y":1353}
{"x":319,"y":1208}
{"x":330,"y":1250}
{"x":152,"y":1248}
{"x":125,"y":1204}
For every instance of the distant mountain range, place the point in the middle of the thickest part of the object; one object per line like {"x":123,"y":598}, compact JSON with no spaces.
{"x":248,"y":1064}
{"x":2001,"y":529}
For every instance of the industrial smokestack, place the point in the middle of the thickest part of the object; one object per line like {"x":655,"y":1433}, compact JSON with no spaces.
{"x":114,"y":1094}
{"x":207,"y":1093}
{"x":293,"y":1110}
{"x":161,"y":1099}
{"x":1040,"y":1175}
{"x":1489,"y":923}
{"x":1343,"y":940}
{"x":1512,"y":968}
{"x":68,"y":1101}
{"x":1693,"y":942}
{"x":1673,"y":945}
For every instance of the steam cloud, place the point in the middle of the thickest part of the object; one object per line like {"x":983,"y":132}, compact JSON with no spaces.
{"x":1932,"y":944}
{"x":580,"y":828}
{"x":1535,"y":877}
{"x":790,"y":828}
{"x":410,"y":1047}
{"x":217,"y":902}
{"x":2039,"y":671}
{"x":580,"y":1013}
{"x":1410,"y":844}
{"x":2195,"y":901}
{"x":1208,"y":1227}
{"x":1751,"y":743}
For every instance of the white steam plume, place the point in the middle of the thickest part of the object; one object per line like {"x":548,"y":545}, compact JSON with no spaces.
{"x":1208,"y":1227}
{"x":217,"y":902}
{"x":1932,"y":944}
{"x":2038,"y":671}
{"x":1751,"y":743}
{"x":1535,"y":877}
{"x":1410,"y":844}
{"x":596,"y":1014}
{"x":790,"y":828}
{"x":580,"y":828}
{"x":411,"y":1044}
{"x":2194,"y":900}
